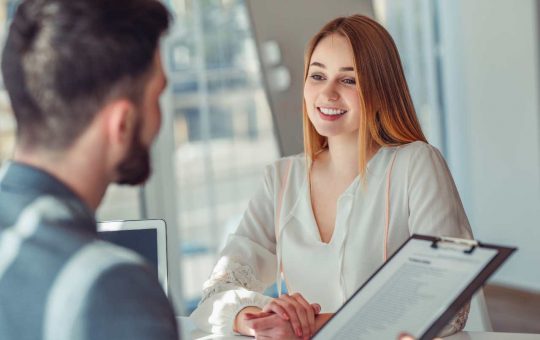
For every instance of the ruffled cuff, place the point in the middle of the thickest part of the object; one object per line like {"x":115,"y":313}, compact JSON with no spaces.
{"x":458,"y":322}
{"x":217,"y":313}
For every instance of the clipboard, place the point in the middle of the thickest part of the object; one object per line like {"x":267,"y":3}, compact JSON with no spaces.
{"x":418,"y":290}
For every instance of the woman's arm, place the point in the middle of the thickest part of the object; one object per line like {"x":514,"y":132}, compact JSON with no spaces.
{"x":436,"y":208}
{"x":246,"y":266}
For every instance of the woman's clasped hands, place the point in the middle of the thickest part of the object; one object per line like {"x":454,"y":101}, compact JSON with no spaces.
{"x":285,"y":317}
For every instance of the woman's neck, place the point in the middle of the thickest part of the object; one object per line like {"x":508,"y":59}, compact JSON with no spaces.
{"x":342,"y":156}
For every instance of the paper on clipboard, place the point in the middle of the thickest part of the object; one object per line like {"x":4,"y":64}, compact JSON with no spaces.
{"x":410,"y":292}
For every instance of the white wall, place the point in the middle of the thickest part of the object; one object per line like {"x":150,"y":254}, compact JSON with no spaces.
{"x":491,"y":74}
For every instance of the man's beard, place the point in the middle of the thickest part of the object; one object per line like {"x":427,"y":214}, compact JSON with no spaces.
{"x":135,"y":168}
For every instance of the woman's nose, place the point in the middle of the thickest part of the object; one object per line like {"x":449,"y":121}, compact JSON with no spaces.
{"x":329,"y":92}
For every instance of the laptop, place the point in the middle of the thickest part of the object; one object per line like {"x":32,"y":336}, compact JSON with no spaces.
{"x":146,"y":237}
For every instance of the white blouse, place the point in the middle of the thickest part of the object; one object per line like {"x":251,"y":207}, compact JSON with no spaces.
{"x":422,"y":198}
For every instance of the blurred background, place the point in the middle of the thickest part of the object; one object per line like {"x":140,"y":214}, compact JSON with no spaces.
{"x":234,"y":101}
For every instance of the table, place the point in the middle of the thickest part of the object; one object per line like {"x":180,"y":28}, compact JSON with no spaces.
{"x":189,"y":332}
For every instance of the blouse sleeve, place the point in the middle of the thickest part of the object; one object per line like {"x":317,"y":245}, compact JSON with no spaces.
{"x":436,"y":209}
{"x":434,"y":204}
{"x":246,"y":267}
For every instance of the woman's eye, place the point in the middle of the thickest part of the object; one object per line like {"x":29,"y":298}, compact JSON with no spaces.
{"x":316,"y":77}
{"x":349,"y":81}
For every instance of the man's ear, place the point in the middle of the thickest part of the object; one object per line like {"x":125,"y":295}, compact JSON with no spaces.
{"x":120,"y":120}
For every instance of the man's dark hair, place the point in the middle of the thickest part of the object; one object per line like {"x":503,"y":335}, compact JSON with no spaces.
{"x":64,"y":59}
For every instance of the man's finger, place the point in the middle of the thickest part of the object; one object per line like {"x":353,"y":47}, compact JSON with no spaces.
{"x":405,"y":336}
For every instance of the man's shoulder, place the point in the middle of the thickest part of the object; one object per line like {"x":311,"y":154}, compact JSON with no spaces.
{"x":122,"y":276}
{"x":93,"y":260}
{"x":112,"y":294}
{"x":128,"y":291}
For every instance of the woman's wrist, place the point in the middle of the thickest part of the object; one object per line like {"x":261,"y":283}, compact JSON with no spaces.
{"x":239,"y":320}
{"x":321,"y":319}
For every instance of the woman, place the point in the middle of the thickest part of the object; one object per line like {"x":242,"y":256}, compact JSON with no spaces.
{"x":326,"y":220}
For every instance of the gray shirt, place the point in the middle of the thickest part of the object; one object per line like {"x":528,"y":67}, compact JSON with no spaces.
{"x":58,"y":281}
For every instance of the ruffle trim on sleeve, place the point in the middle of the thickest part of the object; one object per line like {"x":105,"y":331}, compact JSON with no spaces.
{"x":458,"y":322}
{"x":218,"y":313}
{"x":229,"y":276}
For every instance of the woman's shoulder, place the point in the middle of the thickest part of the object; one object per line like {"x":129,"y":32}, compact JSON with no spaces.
{"x":289,"y":166}
{"x":283,"y":163}
{"x":418,"y":149}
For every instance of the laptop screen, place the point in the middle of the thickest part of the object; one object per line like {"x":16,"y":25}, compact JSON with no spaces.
{"x":148,"y":238}
{"x":142,"y":241}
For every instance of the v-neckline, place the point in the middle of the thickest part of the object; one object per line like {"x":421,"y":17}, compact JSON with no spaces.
{"x":344,"y":193}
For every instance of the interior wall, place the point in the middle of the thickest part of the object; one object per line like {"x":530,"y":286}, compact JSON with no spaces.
{"x":291,"y":24}
{"x":491,"y":71}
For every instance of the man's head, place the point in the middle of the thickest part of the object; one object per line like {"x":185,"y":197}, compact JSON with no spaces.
{"x":67,"y":61}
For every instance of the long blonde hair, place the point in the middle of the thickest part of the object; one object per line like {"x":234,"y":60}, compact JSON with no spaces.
{"x":387,"y":115}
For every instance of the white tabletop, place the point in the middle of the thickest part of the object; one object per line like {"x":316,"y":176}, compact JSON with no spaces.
{"x":189,"y":332}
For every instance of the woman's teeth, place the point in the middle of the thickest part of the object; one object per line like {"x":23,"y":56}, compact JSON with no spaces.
{"x":332,"y":112}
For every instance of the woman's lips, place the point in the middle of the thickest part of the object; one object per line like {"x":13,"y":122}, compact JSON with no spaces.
{"x":331,"y":114}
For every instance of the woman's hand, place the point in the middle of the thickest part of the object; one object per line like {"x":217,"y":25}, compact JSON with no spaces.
{"x":295,"y":309}
{"x":268,"y":325}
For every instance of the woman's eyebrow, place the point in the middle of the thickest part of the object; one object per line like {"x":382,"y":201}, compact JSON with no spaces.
{"x":343,"y":69}
{"x":316,"y":63}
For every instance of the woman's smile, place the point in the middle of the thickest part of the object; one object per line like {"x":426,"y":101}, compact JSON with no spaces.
{"x":330,"y":113}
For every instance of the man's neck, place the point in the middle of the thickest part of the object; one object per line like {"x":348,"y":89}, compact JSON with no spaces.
{"x":77,"y":170}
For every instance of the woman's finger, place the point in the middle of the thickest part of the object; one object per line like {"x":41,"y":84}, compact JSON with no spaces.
{"x":301,"y":314}
{"x":273,"y":306}
{"x":265,"y":323}
{"x":316,"y":308}
{"x":274,"y":328}
{"x":290,"y":306}
{"x":251,"y":316}
{"x":308,"y":312}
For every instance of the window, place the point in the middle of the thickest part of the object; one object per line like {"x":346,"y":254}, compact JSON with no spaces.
{"x":413,"y":25}
{"x":7,"y":123}
{"x":7,"y":127}
{"x":223,"y":130}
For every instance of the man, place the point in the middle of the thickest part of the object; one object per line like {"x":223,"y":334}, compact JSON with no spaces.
{"x":84,"y":78}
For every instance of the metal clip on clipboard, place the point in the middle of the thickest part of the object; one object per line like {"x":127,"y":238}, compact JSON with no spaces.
{"x":453,"y":241}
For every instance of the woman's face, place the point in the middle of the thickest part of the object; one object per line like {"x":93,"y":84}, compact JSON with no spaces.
{"x":330,"y":94}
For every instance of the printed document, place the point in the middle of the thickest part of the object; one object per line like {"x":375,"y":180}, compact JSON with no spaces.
{"x":409,"y":293}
